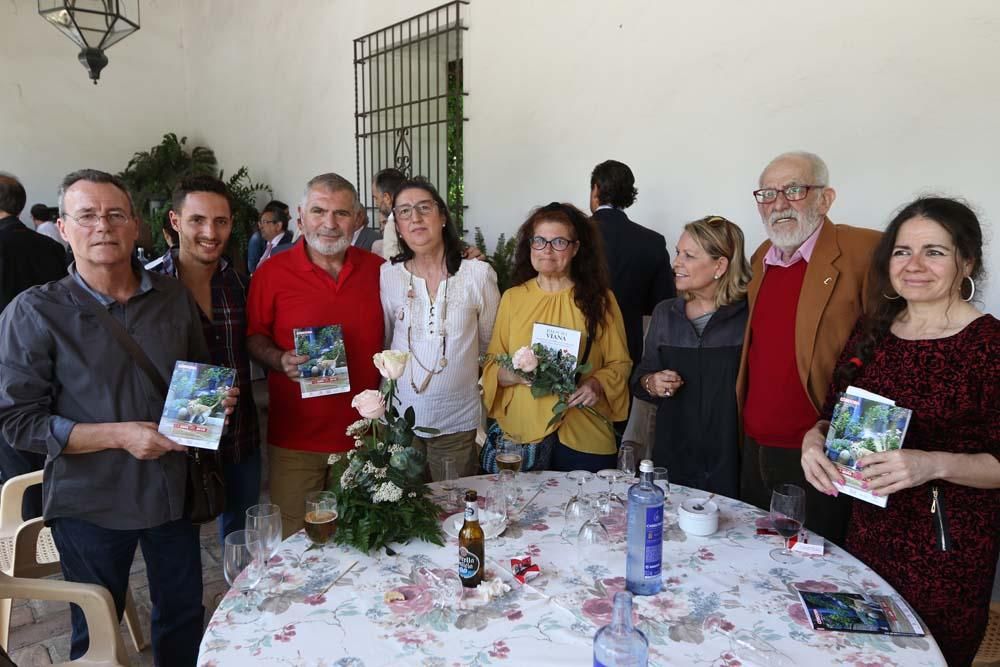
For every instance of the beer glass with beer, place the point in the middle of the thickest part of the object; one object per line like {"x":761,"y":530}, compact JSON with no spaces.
{"x":321,"y":516}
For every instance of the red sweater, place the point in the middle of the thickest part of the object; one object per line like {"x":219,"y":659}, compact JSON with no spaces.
{"x":777,"y":412}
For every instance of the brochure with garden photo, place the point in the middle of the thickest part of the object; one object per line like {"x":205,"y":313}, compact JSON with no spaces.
{"x":557,"y":339}
{"x":863,"y":423}
{"x":326,"y":371}
{"x":854,"y":612}
{"x":193,"y":414}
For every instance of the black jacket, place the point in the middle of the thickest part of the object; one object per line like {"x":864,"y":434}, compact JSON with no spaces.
{"x":640,"y":271}
{"x":697,"y":429}
{"x":27,"y":258}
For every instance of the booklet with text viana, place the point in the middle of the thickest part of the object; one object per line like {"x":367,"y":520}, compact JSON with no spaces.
{"x":557,"y":339}
{"x":855,"y":612}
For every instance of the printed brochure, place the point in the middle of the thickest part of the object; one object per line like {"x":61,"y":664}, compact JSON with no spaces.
{"x":326,"y":371}
{"x":193,"y":414}
{"x":863,"y":423}
{"x":557,"y":339}
{"x":855,"y":612}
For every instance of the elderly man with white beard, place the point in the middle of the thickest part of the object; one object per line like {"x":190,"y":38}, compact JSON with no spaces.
{"x":808,"y":289}
{"x":322,"y":280}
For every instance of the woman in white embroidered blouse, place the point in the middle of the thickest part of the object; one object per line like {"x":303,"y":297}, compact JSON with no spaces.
{"x":441,"y":309}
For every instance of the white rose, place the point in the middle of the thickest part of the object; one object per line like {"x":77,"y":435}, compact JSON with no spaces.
{"x":391,"y":363}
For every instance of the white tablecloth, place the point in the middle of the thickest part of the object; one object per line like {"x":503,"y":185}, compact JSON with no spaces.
{"x":725,"y":601}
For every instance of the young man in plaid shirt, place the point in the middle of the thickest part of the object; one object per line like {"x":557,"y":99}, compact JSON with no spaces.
{"x":201,"y":213}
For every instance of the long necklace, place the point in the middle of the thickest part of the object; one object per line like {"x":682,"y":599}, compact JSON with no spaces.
{"x":442,"y":362}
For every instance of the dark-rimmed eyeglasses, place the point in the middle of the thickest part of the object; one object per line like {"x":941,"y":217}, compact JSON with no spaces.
{"x":405,"y":212}
{"x":115,"y":218}
{"x":791,"y":193}
{"x":558,"y":243}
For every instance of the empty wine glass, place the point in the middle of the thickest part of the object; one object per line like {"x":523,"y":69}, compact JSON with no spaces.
{"x":593,"y":544}
{"x":266,"y":520}
{"x":788,"y":513}
{"x":611,"y":501}
{"x":661,"y":480}
{"x":578,"y":506}
{"x":494,"y":507}
{"x":626,"y":459}
{"x":243,"y":553}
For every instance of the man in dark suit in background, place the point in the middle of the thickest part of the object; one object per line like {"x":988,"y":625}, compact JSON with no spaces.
{"x":364,"y":235}
{"x":638,"y":263}
{"x":27,"y":258}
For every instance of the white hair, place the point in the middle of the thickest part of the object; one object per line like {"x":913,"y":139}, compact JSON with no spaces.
{"x":820,"y":174}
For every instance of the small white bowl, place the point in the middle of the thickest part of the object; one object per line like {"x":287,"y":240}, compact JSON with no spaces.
{"x":701,"y":522}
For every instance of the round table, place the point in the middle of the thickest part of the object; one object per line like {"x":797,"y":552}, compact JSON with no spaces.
{"x":725,"y":602}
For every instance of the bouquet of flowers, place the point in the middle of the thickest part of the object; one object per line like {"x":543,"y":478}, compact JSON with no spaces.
{"x":550,"y":372}
{"x":379,"y":485}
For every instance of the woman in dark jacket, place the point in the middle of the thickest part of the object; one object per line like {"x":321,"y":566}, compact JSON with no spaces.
{"x":692,"y":355}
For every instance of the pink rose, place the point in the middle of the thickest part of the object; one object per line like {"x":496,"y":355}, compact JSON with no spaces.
{"x":370,"y":404}
{"x":391,"y":363}
{"x":525,"y":360}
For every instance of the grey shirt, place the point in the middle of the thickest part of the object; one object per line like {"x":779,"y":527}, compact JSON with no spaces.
{"x":59,"y":367}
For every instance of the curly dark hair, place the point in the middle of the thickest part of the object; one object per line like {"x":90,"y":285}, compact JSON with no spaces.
{"x":452,"y":241}
{"x":588,"y":269}
{"x":615,"y":184}
{"x":966,"y":233}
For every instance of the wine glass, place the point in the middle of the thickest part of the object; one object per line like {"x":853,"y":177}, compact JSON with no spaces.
{"x":578,"y":505}
{"x":611,"y":500}
{"x":243,"y":553}
{"x":788,"y":513}
{"x":321,"y":516}
{"x":626,"y":459}
{"x":506,"y":482}
{"x":593,"y":544}
{"x":266,"y":520}
{"x":494,"y":507}
{"x":661,"y":480}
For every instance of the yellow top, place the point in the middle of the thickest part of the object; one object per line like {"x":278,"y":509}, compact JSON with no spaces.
{"x":524,"y":418}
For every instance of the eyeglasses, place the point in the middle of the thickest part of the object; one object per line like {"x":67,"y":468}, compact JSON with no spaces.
{"x":405,"y":212}
{"x":558,"y":243}
{"x":115,"y":218}
{"x":792,"y":193}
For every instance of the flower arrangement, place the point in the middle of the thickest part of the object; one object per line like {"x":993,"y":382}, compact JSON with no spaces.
{"x":550,"y":372}
{"x":379,"y":485}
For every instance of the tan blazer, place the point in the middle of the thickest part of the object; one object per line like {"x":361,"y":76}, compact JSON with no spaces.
{"x":831,"y":301}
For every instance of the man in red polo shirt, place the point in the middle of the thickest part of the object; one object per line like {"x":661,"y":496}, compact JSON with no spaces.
{"x":322,"y":280}
{"x":808,"y":286}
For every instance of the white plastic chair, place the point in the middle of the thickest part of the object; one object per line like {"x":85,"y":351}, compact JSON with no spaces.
{"x":27,"y":550}
{"x":106,"y":647}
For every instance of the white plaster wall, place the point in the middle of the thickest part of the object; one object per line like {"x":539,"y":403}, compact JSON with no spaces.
{"x":900,"y":97}
{"x":53,"y":120}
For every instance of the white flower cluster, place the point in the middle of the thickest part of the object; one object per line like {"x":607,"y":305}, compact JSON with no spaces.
{"x":411,"y":494}
{"x":376,"y":472}
{"x":359,"y":428}
{"x":387,"y":492}
{"x":332,"y":458}
{"x":347,"y":479}
{"x":358,"y":443}
{"x":395,"y":447}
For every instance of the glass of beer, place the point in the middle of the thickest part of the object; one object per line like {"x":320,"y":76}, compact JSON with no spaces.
{"x":321,"y":516}
{"x":509,"y":456}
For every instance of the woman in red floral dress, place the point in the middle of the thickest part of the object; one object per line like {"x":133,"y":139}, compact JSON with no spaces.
{"x":924,"y":345}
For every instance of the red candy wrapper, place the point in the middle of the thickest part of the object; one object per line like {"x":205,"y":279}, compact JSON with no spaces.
{"x":523,"y":569}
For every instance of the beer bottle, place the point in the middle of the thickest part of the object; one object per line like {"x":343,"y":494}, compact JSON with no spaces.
{"x":471,"y":544}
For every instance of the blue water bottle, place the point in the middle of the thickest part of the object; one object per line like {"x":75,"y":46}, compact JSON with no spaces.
{"x":645,"y":534}
{"x":619,"y":644}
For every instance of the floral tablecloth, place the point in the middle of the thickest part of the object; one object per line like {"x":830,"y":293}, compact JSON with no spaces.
{"x":725,"y":602}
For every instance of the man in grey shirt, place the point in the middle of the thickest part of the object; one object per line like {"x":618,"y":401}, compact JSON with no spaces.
{"x":70,"y":391}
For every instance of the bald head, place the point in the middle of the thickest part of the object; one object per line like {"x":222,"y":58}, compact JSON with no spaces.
{"x":12,"y":195}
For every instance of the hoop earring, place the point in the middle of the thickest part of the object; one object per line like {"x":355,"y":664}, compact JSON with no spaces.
{"x":890,"y":298}
{"x":973,"y":292}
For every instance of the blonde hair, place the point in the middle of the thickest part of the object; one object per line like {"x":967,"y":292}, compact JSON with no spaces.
{"x":719,"y":237}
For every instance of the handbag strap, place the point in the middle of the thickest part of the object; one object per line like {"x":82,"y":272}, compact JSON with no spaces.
{"x":115,"y":328}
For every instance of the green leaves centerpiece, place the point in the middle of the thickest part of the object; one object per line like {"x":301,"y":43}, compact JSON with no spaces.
{"x":379,"y":485}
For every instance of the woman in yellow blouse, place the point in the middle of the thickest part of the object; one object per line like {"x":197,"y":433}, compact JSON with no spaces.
{"x":560,"y":278}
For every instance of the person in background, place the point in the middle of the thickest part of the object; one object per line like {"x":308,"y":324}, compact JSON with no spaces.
{"x":321,"y":280}
{"x":560,"y":278}
{"x":807,"y":290}
{"x":201,"y":217}
{"x":441,"y":309}
{"x":924,"y":345}
{"x":692,"y":357}
{"x":44,"y":221}
{"x":26,"y":259}
{"x":384,"y":186}
{"x":273,"y":226}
